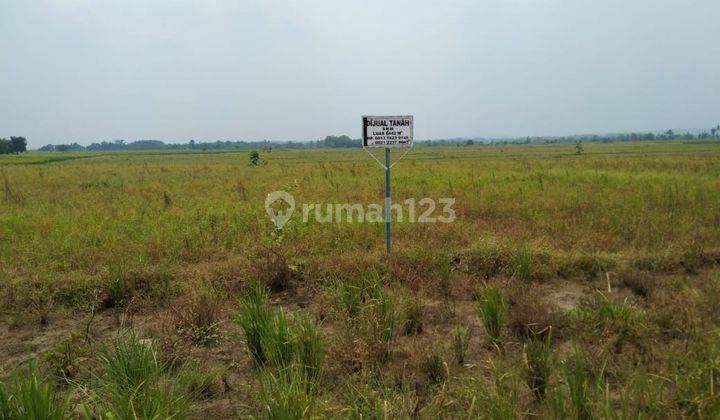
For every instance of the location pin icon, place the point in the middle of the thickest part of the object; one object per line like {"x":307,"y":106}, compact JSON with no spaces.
{"x":279,"y":217}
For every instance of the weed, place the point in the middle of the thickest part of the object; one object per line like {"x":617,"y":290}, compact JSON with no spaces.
{"x":125,"y":284}
{"x":500,"y":398}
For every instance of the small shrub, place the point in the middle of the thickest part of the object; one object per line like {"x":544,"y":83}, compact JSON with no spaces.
{"x":528,"y":315}
{"x":537,"y":358}
{"x":149,"y":284}
{"x":273,"y":270}
{"x":434,"y":368}
{"x":589,"y":266}
{"x":197,"y":318}
{"x":491,"y":307}
{"x":460,"y":342}
{"x":255,"y":158}
{"x":639,"y":282}
{"x":486,"y":258}
{"x":62,"y":359}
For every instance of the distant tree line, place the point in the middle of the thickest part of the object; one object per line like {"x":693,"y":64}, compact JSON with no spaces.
{"x":122,"y":145}
{"x":347,"y":142}
{"x":13,"y":145}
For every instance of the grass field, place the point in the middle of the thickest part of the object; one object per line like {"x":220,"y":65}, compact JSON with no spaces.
{"x":153,"y":285}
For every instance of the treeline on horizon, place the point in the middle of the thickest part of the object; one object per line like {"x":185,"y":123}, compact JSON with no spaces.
{"x":13,"y":145}
{"x":347,"y":142}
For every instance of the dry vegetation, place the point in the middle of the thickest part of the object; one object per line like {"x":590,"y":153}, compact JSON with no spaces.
{"x":154,"y":286}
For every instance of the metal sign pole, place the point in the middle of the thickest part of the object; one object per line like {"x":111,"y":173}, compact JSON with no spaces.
{"x":387,"y":132}
{"x":387,"y":200}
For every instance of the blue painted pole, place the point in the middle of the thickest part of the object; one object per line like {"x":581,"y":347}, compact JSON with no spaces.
{"x":387,"y":200}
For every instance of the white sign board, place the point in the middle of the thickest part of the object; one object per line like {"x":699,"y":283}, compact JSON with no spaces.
{"x":387,"y":131}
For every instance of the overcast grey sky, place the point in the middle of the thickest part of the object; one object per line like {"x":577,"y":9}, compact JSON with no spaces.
{"x":92,"y":70}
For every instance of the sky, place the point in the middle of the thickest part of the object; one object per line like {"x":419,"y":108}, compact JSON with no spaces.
{"x":94,"y":70}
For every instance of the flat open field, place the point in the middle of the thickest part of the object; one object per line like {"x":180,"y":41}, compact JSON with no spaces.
{"x":155,"y":284}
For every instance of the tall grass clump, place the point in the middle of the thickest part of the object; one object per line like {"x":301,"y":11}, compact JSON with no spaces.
{"x":275,"y":341}
{"x":413,"y":314}
{"x":287,"y":394}
{"x":537,"y":358}
{"x":369,"y":309}
{"x":460,"y":337}
{"x":350,"y":298}
{"x":310,"y":349}
{"x":255,"y":319}
{"x":492,"y":310}
{"x":290,"y":382}
{"x":380,"y":315}
{"x":578,"y":384}
{"x":605,"y":316}
{"x":32,"y":398}
{"x":289,"y":354}
{"x":136,"y":385}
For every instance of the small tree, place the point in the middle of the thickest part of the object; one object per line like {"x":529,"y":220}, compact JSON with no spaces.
{"x":579,"y":147}
{"x":254,"y":158}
